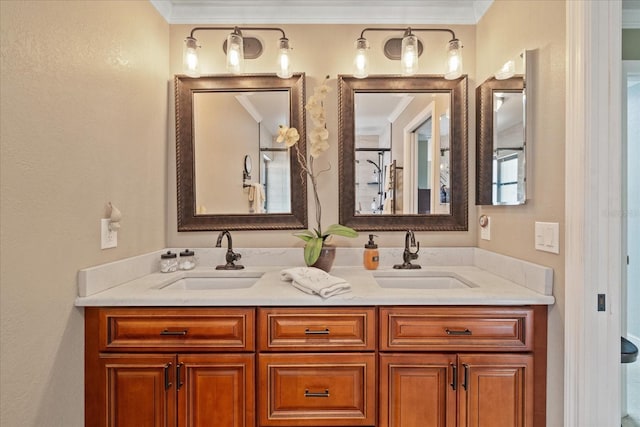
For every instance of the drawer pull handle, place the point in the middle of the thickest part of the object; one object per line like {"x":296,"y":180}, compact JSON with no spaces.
{"x":325,"y":393}
{"x":173,"y":333}
{"x":452,"y":332}
{"x":320,"y":332}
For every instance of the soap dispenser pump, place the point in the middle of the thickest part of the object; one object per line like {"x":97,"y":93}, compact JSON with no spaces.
{"x":371,"y":257}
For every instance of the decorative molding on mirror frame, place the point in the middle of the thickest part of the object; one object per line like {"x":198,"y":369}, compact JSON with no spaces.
{"x":457,"y":219}
{"x":186,"y":214}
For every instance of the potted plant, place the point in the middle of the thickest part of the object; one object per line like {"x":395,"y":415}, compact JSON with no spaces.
{"x":318,"y":143}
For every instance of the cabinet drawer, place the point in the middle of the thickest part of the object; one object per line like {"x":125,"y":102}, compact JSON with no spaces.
{"x":325,"y":389}
{"x":456,"y":328}
{"x":211,"y":329}
{"x":287,"y":329}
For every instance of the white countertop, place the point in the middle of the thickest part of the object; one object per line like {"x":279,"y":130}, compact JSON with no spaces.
{"x":494,"y":280}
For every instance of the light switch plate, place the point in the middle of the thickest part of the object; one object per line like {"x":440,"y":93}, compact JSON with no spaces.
{"x":108,"y":238}
{"x":547,"y":237}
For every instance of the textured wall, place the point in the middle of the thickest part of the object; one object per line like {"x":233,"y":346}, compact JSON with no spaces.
{"x":507,"y":28}
{"x":83,"y":122}
{"x":320,"y":50}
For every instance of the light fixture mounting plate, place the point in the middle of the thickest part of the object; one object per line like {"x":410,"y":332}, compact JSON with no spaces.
{"x":251,"y":45}
{"x":393,"y":48}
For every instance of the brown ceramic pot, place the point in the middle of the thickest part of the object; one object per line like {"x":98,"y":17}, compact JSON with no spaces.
{"x":325,"y":260}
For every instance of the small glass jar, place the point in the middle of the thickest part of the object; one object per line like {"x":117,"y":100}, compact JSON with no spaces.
{"x":187,"y":260}
{"x":168,"y":262}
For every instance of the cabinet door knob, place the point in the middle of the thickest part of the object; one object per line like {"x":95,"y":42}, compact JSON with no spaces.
{"x":465,"y":383}
{"x":325,"y":393}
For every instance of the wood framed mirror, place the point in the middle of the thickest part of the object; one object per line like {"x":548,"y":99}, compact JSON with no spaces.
{"x":403,"y":153}
{"x":220,"y":122}
{"x":503,"y":133}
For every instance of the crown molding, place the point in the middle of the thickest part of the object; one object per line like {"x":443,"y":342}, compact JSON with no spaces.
{"x":242,"y":12}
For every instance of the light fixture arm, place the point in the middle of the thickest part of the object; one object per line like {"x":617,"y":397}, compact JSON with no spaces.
{"x":236,"y":29}
{"x":408,"y":30}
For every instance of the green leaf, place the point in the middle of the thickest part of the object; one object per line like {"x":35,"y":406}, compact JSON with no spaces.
{"x":312,"y":250}
{"x":305,"y":235}
{"x":340,"y":230}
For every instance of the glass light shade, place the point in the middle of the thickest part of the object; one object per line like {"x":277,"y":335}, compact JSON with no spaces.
{"x":409,"y":56}
{"x":235,"y":53}
{"x":284,"y":59}
{"x":507,"y":71}
{"x":454,"y":60}
{"x":190,"y":58}
{"x":361,"y":61}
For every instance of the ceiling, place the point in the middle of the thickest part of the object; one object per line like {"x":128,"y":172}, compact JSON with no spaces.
{"x":242,"y":12}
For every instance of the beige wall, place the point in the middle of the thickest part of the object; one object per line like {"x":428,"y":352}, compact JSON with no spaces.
{"x":507,"y":28}
{"x":83,"y":122}
{"x":319,"y":50}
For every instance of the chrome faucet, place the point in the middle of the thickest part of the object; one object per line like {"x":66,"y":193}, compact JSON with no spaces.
{"x":407,"y":255}
{"x":231,"y":257}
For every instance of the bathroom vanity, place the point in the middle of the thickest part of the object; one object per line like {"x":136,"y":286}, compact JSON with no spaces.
{"x":261,"y":353}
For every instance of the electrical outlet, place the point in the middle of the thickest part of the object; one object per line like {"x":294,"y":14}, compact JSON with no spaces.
{"x":108,"y":238}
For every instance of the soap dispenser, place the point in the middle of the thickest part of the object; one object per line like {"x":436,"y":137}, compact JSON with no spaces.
{"x":371,"y":257}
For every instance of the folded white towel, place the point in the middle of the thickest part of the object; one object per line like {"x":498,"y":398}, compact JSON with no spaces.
{"x":315,"y":281}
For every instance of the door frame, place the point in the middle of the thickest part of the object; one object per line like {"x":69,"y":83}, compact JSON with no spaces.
{"x":593,"y":213}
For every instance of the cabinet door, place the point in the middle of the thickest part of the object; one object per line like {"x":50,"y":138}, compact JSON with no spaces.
{"x":497,"y":390}
{"x":216,"y":390}
{"x":417,"y":390}
{"x":140,"y":391}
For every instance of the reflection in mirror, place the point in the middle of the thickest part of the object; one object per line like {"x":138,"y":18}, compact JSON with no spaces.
{"x":231,"y":173}
{"x":502,"y":138}
{"x":403,"y":152}
{"x":234,"y":128}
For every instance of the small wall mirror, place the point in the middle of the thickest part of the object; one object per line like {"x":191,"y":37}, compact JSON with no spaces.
{"x":403,"y":153}
{"x":231,"y":173}
{"x":501,"y":133}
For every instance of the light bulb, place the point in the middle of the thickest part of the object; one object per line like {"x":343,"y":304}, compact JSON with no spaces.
{"x":235,"y":53}
{"x":361,"y":61}
{"x":190,"y":57}
{"x":284,"y":59}
{"x":454,"y":60}
{"x":409,"y":58}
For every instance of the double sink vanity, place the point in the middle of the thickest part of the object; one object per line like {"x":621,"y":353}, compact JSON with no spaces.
{"x":461,"y":341}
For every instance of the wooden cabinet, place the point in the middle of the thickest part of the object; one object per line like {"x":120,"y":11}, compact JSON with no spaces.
{"x":303,"y":381}
{"x":421,"y":385}
{"x":399,"y":366}
{"x":138,"y":372}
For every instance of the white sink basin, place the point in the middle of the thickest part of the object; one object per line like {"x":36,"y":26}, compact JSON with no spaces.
{"x":419,"y":279}
{"x":215,"y":281}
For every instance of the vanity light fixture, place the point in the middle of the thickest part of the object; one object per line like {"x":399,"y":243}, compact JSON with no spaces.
{"x":408,"y":49}
{"x":237,"y":48}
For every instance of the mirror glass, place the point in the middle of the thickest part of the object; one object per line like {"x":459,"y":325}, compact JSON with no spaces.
{"x":231,"y":173}
{"x":403,"y":151}
{"x":239,"y":127}
{"x":501,"y":138}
